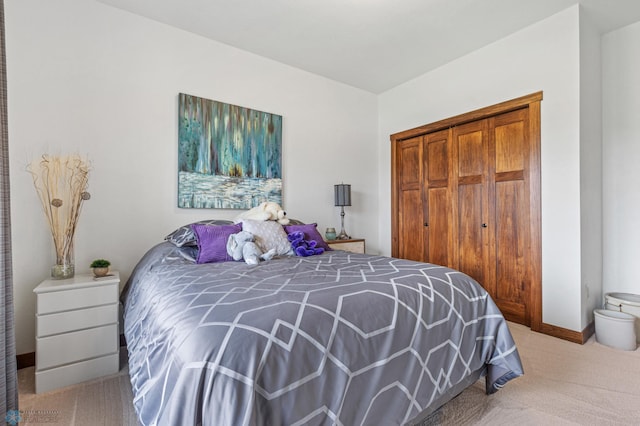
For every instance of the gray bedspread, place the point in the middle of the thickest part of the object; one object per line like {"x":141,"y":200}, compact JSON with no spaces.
{"x":338,"y":338}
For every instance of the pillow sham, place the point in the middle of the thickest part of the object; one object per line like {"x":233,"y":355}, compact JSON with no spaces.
{"x":212,"y":241}
{"x":310,"y":232}
{"x":269,"y":235}
{"x":184,"y":235}
{"x":189,"y":252}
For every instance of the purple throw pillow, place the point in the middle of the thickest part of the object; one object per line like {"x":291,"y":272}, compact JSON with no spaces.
{"x":184,"y":235}
{"x":310,"y":232}
{"x":212,"y":241}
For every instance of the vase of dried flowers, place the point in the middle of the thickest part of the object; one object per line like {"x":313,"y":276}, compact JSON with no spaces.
{"x":64,"y":267}
{"x":61,"y":183}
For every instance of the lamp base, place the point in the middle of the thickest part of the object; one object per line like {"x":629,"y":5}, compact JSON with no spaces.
{"x":343,"y":236}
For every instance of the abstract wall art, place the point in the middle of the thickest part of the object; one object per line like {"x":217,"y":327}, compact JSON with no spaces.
{"x":229,"y":157}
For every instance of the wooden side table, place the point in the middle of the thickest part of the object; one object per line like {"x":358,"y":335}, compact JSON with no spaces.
{"x":354,"y":245}
{"x":76,"y":330}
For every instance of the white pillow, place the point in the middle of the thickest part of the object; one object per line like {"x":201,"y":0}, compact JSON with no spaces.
{"x":269,"y":235}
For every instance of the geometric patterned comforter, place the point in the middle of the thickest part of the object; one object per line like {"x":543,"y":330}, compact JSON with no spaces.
{"x":338,"y":338}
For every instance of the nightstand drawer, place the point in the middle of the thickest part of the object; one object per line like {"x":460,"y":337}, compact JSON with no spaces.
{"x":58,"y":301}
{"x":62,"y":322}
{"x":75,"y":373}
{"x":353,"y":245}
{"x":78,"y":345}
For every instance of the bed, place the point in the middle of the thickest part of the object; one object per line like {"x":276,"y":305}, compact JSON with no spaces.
{"x":336,"y":338}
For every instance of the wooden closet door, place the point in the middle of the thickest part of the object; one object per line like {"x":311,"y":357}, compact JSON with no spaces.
{"x":509,"y":183}
{"x":438,"y":222}
{"x":411,"y":239}
{"x":474,"y":179}
{"x":473,"y":220}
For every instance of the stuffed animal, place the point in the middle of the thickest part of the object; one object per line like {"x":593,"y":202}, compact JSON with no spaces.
{"x":265,"y":211}
{"x":303,"y":247}
{"x":242,"y":246}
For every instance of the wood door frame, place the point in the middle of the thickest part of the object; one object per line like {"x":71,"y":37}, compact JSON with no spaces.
{"x":532,"y":102}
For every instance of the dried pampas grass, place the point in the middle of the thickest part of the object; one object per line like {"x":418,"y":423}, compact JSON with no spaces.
{"x":61,"y":183}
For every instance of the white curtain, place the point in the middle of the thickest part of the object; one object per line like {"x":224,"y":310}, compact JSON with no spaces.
{"x":8,"y":371}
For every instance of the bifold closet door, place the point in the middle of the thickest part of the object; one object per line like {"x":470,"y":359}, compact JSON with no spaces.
{"x":411,"y":239}
{"x":509,"y":185}
{"x":473,"y":224}
{"x":425,"y":220}
{"x":438,"y":209}
{"x":492,"y":158}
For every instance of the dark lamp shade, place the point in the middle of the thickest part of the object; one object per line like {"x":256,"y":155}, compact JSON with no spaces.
{"x":343,"y":195}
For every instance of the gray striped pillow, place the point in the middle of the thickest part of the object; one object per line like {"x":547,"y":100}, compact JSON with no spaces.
{"x":184,"y":236}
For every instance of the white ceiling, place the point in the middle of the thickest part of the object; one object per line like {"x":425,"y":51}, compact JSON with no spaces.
{"x":370,"y":44}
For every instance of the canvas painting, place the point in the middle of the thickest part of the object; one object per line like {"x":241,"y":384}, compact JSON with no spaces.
{"x":229,"y":157}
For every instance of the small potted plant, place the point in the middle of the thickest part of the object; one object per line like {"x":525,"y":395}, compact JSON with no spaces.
{"x":100,"y":267}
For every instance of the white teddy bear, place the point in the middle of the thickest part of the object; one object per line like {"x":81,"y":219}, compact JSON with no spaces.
{"x":242,"y":246}
{"x":265,"y":211}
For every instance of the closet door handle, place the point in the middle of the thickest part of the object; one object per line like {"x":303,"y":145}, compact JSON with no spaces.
{"x":426,"y":224}
{"x":484,"y":225}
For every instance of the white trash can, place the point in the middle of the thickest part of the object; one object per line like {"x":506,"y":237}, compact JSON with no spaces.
{"x":615,"y":329}
{"x":625,"y":302}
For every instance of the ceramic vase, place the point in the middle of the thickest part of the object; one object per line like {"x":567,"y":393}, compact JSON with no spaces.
{"x":330,"y":234}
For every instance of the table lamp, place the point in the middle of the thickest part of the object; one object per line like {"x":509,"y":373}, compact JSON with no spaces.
{"x":342,"y":198}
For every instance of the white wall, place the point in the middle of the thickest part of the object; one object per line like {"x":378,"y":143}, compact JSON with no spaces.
{"x":590,"y":167}
{"x":84,"y":77}
{"x":87,"y":78}
{"x":544,"y":56}
{"x":621,"y":138}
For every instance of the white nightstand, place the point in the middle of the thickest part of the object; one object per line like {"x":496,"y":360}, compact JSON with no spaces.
{"x":354,"y":245}
{"x":76,"y":330}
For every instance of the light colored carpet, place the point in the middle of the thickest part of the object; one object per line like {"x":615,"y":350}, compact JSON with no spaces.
{"x":564,"y":384}
{"x":105,"y":401}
